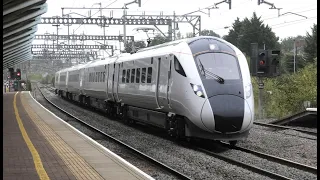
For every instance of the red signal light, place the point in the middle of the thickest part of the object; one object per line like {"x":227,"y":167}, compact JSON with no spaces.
{"x":262,"y":62}
{"x":18,"y":74}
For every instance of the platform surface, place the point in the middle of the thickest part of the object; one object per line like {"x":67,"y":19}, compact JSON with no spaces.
{"x":39,"y":145}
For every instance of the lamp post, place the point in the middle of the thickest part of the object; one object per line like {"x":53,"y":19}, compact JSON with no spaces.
{"x":295,"y":53}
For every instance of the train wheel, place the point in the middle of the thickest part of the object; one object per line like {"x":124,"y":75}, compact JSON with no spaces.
{"x":176,"y":127}
{"x":123,"y":115}
{"x":109,"y":110}
{"x":233,"y":143}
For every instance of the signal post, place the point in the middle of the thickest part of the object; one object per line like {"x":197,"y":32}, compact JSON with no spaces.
{"x":263,"y":63}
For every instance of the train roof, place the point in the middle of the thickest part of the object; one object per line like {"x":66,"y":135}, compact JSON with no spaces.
{"x":168,"y":47}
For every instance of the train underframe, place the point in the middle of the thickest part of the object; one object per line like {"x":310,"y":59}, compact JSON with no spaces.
{"x":175,"y":125}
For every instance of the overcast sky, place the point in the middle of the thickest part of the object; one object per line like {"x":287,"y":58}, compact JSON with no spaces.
{"x":283,"y":26}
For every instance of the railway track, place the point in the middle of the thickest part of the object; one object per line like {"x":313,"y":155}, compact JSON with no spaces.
{"x":216,"y":155}
{"x":254,"y":168}
{"x":274,"y":158}
{"x":286,"y":127}
{"x":162,"y":165}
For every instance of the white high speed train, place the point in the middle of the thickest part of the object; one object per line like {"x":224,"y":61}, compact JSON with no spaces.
{"x":197,"y":87}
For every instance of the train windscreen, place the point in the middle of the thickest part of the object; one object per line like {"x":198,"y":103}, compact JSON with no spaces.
{"x":220,"y":64}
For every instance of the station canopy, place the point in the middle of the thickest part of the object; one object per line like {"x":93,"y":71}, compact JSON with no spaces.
{"x":20,"y":21}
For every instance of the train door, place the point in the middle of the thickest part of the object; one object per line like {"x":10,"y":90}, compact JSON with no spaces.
{"x":67,"y":79}
{"x":106,"y":74}
{"x":58,"y":82}
{"x":116,"y":81}
{"x":162,"y":72}
{"x":82,"y":80}
{"x":169,"y":81}
{"x":110,"y":81}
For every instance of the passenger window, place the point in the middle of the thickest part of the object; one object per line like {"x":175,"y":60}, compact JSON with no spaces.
{"x":123,"y":75}
{"x":128,"y":76}
{"x":104,"y":76}
{"x":178,"y":67}
{"x":151,"y":60}
{"x":138,"y":76}
{"x":149,"y":75}
{"x":143,"y":75}
{"x":133,"y":72}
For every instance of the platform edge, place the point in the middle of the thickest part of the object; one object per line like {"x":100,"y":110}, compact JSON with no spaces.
{"x":96,"y":143}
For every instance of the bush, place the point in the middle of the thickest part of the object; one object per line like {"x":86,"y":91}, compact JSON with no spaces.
{"x":29,"y":88}
{"x":35,"y":77}
{"x":289,"y":91}
{"x":47,"y":79}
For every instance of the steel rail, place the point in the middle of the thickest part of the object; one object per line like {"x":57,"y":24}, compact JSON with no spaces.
{"x":285,"y":127}
{"x":274,"y":158}
{"x":244,"y":165}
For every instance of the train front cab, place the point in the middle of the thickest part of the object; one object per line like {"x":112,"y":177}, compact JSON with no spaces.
{"x":227,"y":112}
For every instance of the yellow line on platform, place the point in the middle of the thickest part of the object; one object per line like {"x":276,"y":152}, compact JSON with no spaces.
{"x":35,"y":155}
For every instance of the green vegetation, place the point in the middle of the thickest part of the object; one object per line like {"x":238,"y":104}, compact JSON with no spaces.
{"x":29,"y":88}
{"x":206,"y":32}
{"x":47,"y":79}
{"x":138,"y":45}
{"x":288,"y":92}
{"x":35,"y":77}
{"x":310,"y":48}
{"x":245,"y":32}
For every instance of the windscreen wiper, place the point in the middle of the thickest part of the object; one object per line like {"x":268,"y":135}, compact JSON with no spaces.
{"x":218,"y":78}
{"x":202,"y":68}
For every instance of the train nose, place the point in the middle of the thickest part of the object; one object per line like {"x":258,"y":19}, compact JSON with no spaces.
{"x":223,"y":113}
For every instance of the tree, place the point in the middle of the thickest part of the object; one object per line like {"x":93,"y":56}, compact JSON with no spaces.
{"x":189,"y":35}
{"x":158,"y":39}
{"x":206,"y":32}
{"x":179,"y":36}
{"x":138,"y":45}
{"x":234,"y":33}
{"x":289,"y":91}
{"x":287,"y":62}
{"x":245,"y":32}
{"x":287,"y":43}
{"x":310,"y":49}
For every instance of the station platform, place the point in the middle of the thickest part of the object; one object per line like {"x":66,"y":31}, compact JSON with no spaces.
{"x":39,"y":145}
{"x":306,"y":118}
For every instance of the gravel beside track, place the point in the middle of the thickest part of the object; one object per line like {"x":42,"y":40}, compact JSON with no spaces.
{"x":196,"y":164}
{"x":287,"y":144}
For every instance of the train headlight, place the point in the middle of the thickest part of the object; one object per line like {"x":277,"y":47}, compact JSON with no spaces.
{"x":197,"y":90}
{"x":248,"y":90}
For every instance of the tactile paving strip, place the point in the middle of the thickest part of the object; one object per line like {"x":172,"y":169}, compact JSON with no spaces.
{"x":76,"y":164}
